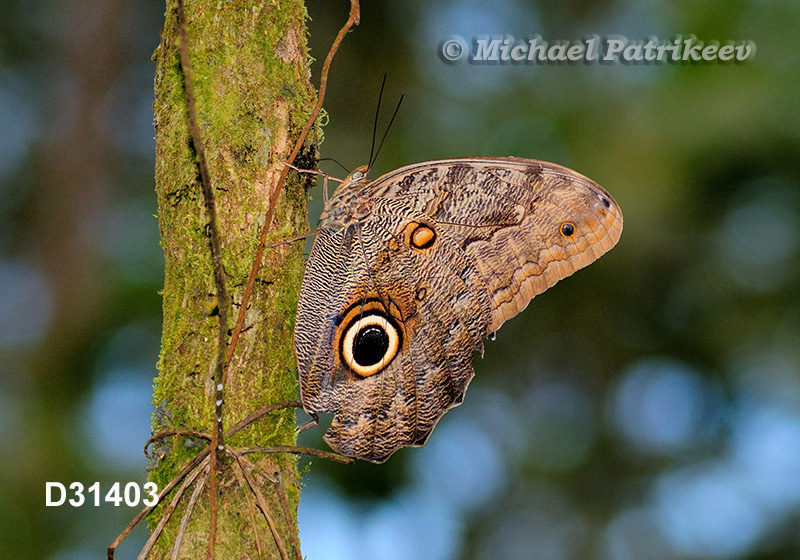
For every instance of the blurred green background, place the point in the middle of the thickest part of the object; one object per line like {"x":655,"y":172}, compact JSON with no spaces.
{"x":647,"y":408}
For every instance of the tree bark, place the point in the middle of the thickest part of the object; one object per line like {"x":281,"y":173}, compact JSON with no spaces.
{"x":249,"y":70}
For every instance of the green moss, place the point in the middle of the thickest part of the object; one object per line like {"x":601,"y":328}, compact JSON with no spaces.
{"x":248,"y":59}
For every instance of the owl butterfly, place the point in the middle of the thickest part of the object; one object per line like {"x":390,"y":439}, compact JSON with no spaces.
{"x":409,"y":272}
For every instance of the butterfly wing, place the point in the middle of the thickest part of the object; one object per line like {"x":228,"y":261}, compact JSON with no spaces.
{"x":506,"y":214}
{"x":449,"y":251}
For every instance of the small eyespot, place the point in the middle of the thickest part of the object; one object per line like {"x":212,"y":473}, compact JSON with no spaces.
{"x":605,"y":201}
{"x":370,"y":344}
{"x":567,"y":229}
{"x":422,"y":237}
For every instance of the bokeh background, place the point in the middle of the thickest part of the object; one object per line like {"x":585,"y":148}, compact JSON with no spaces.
{"x":647,"y":408}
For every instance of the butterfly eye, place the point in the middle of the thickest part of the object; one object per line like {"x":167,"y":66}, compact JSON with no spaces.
{"x":422,"y":237}
{"x":370,"y":343}
{"x":567,"y":229}
{"x":357,"y":175}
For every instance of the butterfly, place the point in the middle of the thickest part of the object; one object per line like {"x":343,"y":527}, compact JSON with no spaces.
{"x":409,"y":273}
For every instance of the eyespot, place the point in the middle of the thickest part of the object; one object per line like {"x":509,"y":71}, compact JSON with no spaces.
{"x":567,"y":229}
{"x":422,"y":236}
{"x":369,"y":345}
{"x":605,"y":201}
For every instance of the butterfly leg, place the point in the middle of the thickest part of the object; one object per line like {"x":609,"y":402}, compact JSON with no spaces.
{"x":324,"y":175}
{"x":313,"y":423}
{"x":292,"y":239}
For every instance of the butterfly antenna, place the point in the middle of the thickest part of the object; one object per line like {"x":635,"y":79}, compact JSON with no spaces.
{"x":375,"y":123}
{"x":371,"y":160}
{"x":336,"y":162}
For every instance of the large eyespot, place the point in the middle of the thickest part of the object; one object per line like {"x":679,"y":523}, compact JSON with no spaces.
{"x":567,"y":229}
{"x":369,"y":345}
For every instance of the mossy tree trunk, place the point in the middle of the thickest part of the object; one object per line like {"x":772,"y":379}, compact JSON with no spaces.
{"x":249,"y":70}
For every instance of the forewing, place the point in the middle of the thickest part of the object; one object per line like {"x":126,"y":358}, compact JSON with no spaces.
{"x":507,"y":216}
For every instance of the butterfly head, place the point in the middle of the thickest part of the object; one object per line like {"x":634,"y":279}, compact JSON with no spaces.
{"x":347,"y":206}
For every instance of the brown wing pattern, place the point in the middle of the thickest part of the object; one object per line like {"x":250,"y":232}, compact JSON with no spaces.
{"x":446,"y":252}
{"x":505,"y":214}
